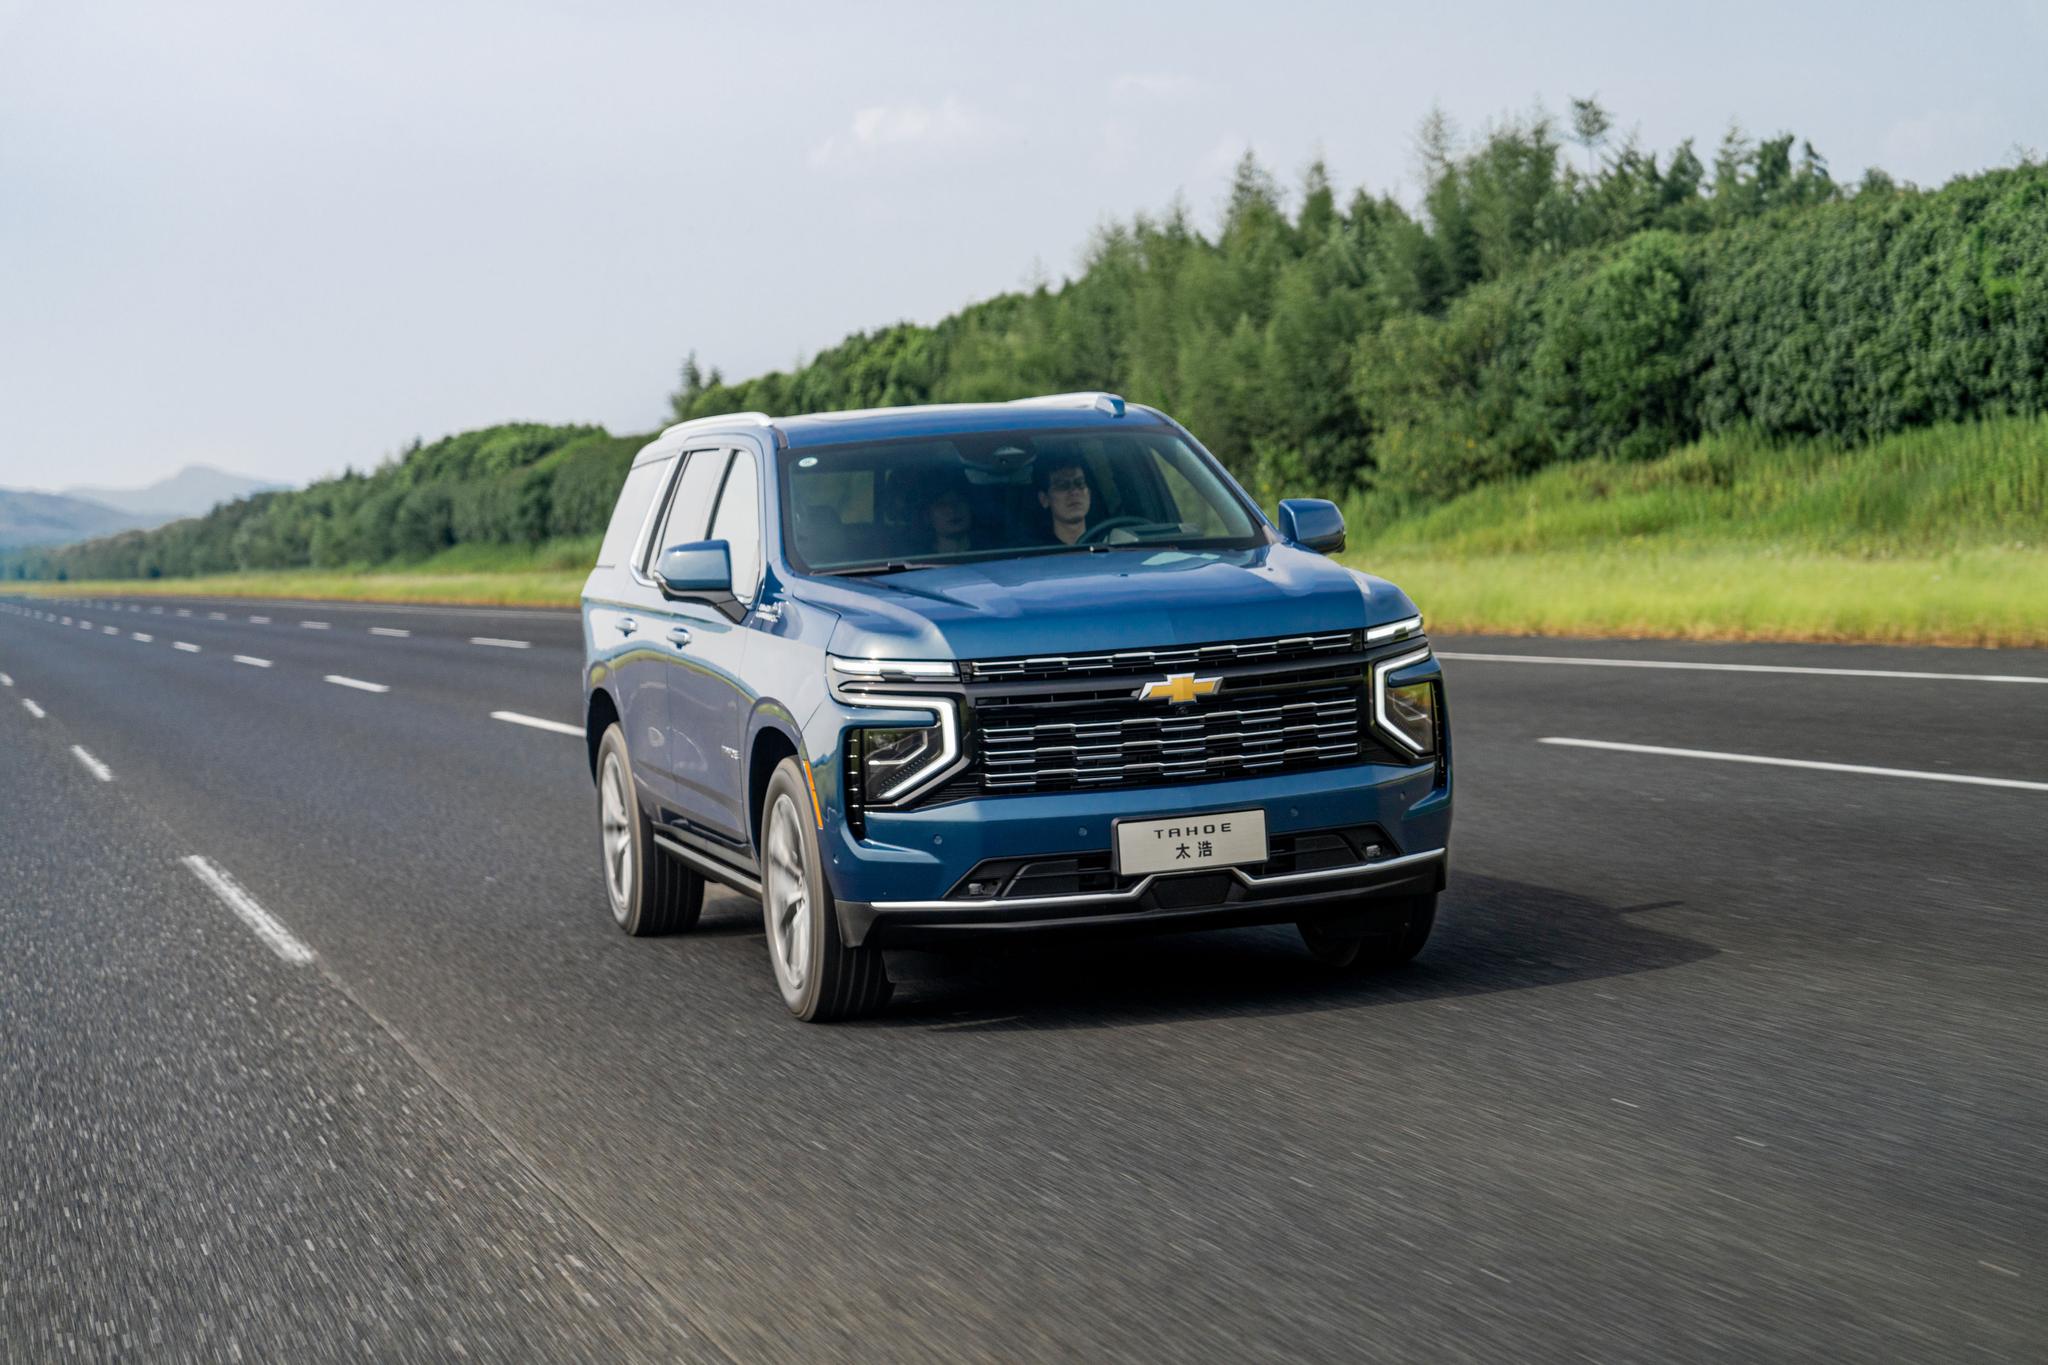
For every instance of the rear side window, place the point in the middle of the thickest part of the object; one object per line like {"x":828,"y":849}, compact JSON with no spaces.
{"x":738,"y":524}
{"x":689,"y":508}
{"x":635,"y":497}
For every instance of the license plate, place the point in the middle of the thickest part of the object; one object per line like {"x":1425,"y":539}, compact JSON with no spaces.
{"x":1189,"y":843}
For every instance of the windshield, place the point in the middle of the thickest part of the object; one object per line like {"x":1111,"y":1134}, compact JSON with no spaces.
{"x":995,"y":495}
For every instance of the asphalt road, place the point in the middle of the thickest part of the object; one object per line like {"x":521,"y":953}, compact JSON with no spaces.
{"x":1708,"y":1059}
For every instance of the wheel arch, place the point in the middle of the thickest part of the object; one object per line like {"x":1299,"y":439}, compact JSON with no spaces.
{"x":600,"y":713}
{"x":774,"y":740}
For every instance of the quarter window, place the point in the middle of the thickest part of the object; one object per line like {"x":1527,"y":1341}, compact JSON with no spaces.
{"x":630,"y":513}
{"x":738,"y":524}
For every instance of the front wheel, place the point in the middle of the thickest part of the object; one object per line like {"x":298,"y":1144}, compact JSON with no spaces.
{"x":1399,"y":928}
{"x":820,"y":977}
{"x":650,"y":891}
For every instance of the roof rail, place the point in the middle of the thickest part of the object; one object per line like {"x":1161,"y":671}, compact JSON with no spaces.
{"x":1101,"y":402}
{"x":725,"y":419}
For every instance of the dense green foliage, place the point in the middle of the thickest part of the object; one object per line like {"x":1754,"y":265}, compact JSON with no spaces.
{"x":1529,"y":314}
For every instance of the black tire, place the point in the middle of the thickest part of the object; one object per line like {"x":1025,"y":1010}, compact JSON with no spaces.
{"x":650,"y":890}
{"x":1391,"y":937}
{"x":821,"y":979}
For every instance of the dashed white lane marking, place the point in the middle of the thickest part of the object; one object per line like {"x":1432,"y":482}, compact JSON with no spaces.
{"x":313,"y":625}
{"x":252,"y":661}
{"x":259,"y":620}
{"x":180,"y":644}
{"x":111,"y":630}
{"x":216,"y":616}
{"x":356,"y":683}
{"x":1742,"y":668}
{"x":391,"y":631}
{"x":184,"y":611}
{"x":535,"y":722}
{"x":279,"y":939}
{"x":28,"y":705}
{"x":85,"y":625}
{"x":66,"y":620}
{"x":92,"y":765}
{"x":6,"y":680}
{"x":140,"y":638}
{"x":156,"y":611}
{"x":1661,"y":751}
{"x":499,"y":644}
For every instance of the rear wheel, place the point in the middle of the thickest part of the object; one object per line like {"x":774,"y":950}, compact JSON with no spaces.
{"x":820,"y":977}
{"x":650,"y":891}
{"x":1392,"y":935}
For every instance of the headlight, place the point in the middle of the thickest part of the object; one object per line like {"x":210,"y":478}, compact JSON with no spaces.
{"x":1406,"y":711}
{"x":895,"y":759}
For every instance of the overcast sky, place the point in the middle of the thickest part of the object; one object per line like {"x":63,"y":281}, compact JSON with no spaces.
{"x":284,"y":238}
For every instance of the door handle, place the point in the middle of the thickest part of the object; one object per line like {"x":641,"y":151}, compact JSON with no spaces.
{"x":679,"y":635}
{"x":627,"y":625}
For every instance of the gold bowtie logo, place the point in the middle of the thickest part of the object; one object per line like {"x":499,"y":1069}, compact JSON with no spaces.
{"x":1179,"y":687}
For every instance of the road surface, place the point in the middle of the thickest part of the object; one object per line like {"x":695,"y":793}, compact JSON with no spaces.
{"x":318,"y":1040}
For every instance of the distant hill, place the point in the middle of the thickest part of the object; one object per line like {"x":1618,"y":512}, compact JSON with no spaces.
{"x":59,"y":519}
{"x":192,"y":491}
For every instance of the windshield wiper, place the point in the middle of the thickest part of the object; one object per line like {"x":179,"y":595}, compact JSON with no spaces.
{"x":870,"y":570}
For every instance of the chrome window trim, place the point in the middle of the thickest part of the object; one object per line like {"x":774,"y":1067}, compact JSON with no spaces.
{"x":1132,"y":893}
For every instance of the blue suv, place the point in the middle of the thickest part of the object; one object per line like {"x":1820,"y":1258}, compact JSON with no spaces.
{"x":913,"y":675}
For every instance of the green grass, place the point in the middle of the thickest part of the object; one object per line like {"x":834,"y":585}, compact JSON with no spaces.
{"x":1937,"y":536}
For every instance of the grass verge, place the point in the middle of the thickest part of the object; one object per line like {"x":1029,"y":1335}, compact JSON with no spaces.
{"x":1985,"y":598}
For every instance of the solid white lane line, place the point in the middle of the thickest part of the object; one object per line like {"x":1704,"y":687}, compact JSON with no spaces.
{"x":180,"y":644}
{"x":535,"y":722}
{"x":1661,"y":751}
{"x":313,"y":625}
{"x":259,"y":620}
{"x":1741,"y":668}
{"x":252,"y":661}
{"x":92,"y":765}
{"x":28,"y":705}
{"x":280,"y":939}
{"x":140,"y":638}
{"x":356,"y":683}
{"x":499,"y":644}
{"x":393,"y":633}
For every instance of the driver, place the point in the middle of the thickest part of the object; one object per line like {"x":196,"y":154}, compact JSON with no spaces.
{"x":1063,"y":493}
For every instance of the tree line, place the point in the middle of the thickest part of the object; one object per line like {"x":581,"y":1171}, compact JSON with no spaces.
{"x":1529,"y":310}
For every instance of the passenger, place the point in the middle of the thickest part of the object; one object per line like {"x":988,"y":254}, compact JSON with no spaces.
{"x":1064,"y":494}
{"x":949,"y":514}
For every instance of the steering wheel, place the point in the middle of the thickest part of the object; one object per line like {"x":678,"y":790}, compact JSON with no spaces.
{"x":1094,"y":534}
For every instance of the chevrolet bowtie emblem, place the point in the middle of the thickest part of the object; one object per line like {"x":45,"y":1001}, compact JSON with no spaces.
{"x":1179,"y":687}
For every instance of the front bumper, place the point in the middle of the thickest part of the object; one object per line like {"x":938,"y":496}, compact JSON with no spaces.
{"x":901,"y":882}
{"x":1158,"y":904}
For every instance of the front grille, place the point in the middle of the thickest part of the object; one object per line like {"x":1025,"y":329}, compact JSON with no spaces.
{"x":1284,"y":705}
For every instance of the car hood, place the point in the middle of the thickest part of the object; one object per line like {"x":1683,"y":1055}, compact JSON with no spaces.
{"x":1117,"y":599}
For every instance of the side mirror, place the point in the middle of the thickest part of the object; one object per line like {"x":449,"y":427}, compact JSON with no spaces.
{"x":1313,"y":524}
{"x":698,"y":569}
